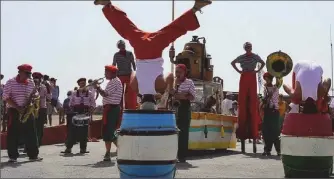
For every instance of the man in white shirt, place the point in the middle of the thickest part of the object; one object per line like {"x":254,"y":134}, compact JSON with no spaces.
{"x":227,"y":107}
{"x":307,"y":86}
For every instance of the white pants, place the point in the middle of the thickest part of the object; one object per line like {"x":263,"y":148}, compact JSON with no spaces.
{"x":147,"y":72}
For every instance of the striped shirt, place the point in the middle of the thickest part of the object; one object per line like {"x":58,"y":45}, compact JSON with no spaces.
{"x":248,"y":62}
{"x":187,"y":86}
{"x":124,"y":62}
{"x":43,"y":93}
{"x":275,"y":94}
{"x":84,"y":97}
{"x":18,"y":92}
{"x":114,"y":92}
{"x":92,"y":89}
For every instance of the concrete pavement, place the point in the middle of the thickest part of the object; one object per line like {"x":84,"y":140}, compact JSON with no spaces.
{"x":208,"y":164}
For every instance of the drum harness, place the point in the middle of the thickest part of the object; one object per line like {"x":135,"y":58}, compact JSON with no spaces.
{"x":80,"y":114}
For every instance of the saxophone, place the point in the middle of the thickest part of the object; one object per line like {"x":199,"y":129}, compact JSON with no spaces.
{"x":29,"y":109}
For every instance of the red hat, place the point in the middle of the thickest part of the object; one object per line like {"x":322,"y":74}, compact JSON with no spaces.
{"x":268,"y":75}
{"x":81,"y":79}
{"x":182,"y":66}
{"x":111,"y":68}
{"x":37,"y":75}
{"x":25,"y":67}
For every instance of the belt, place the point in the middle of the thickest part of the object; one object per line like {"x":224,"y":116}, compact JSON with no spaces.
{"x":111,"y":105}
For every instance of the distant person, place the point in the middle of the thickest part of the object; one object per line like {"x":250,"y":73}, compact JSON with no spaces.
{"x":125,"y":62}
{"x":235,"y":108}
{"x":55,"y":101}
{"x":92,"y":89}
{"x":282,"y":108}
{"x":227,"y":104}
{"x":3,"y":118}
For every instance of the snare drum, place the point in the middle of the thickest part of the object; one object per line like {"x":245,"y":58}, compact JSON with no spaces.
{"x":80,"y":120}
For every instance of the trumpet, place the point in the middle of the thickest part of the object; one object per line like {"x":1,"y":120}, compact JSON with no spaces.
{"x":97,"y":81}
{"x":176,"y":103}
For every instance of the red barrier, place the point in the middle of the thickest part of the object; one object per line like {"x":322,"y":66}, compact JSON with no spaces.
{"x":57,"y":134}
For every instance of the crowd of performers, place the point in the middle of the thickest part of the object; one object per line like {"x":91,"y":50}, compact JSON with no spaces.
{"x":148,"y":81}
{"x":309,"y":95}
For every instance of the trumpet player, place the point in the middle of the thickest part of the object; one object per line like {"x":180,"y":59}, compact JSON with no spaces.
{"x":82,"y":103}
{"x":184,"y":93}
{"x":112,"y":96}
{"x":18,"y":93}
{"x":45,"y":94}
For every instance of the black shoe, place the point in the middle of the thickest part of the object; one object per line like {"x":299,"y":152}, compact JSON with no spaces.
{"x":84,"y":151}
{"x":35,"y":158}
{"x":266,"y":154}
{"x":24,"y":151}
{"x":12,"y":160}
{"x":66,"y":151}
{"x":182,"y":160}
{"x":106,"y":157}
{"x":278,"y":153}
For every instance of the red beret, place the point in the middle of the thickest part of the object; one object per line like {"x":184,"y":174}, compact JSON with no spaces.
{"x":182,"y":66}
{"x":81,"y":79}
{"x":37,"y":75}
{"x":25,"y":67}
{"x":111,"y":68}
{"x":267,"y":74}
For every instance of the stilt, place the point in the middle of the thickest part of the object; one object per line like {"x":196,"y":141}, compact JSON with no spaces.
{"x":254,"y":146}
{"x":243,"y":146}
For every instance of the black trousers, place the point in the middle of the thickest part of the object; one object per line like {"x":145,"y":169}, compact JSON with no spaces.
{"x":42,"y":117}
{"x":271,"y":130}
{"x":183,"y":118}
{"x":75,"y":133}
{"x":26,"y":130}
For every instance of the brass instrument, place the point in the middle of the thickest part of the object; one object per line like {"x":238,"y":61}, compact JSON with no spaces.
{"x":176,"y":103}
{"x":97,"y":81}
{"x":279,"y":64}
{"x":36,"y":103}
{"x":29,"y":109}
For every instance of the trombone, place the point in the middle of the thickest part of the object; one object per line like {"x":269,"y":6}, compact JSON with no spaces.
{"x":97,"y":81}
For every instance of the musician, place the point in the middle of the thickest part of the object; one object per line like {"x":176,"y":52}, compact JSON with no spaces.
{"x":49,"y":106}
{"x":148,"y":47}
{"x":307,"y":87}
{"x":185,"y":93}
{"x":124,"y":60}
{"x":96,"y":95}
{"x":2,"y":107}
{"x":270,"y":126}
{"x":45,"y":94}
{"x":112,"y":96}
{"x":81,"y":102}
{"x":18,"y":93}
{"x":248,"y":102}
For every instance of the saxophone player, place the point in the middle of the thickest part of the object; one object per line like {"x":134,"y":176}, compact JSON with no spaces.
{"x":185,"y":93}
{"x":45,"y":94}
{"x":18,"y":93}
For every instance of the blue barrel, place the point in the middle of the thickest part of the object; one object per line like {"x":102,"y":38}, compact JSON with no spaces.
{"x":147,"y":144}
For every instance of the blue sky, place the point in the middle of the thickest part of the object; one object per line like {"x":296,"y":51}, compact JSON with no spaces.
{"x":69,"y":40}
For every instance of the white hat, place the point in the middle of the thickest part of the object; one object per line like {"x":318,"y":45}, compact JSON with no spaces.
{"x":228,"y":93}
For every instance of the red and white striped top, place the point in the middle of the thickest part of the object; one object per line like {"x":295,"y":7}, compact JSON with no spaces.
{"x":114,"y":92}
{"x":43,"y":93}
{"x":83,"y":98}
{"x":187,"y":86}
{"x":18,"y":92}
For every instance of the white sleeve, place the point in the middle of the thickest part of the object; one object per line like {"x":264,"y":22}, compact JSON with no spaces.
{"x":229,"y":104}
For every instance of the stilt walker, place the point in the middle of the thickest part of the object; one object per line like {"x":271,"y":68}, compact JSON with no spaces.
{"x":148,"y":46}
{"x":249,"y":117}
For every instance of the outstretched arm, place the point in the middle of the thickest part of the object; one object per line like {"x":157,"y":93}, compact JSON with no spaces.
{"x":293,"y":93}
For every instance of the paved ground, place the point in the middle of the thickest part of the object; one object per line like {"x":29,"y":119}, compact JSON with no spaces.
{"x":207,"y":164}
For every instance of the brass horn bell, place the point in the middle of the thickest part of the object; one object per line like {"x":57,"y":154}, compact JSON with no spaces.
{"x":279,"y":64}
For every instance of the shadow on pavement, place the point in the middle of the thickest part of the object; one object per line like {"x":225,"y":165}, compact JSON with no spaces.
{"x":14,"y":165}
{"x":100,"y":164}
{"x":260,"y":156}
{"x":184,"y":166}
{"x":71,"y":155}
{"x":206,"y":154}
{"x":22,"y":155}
